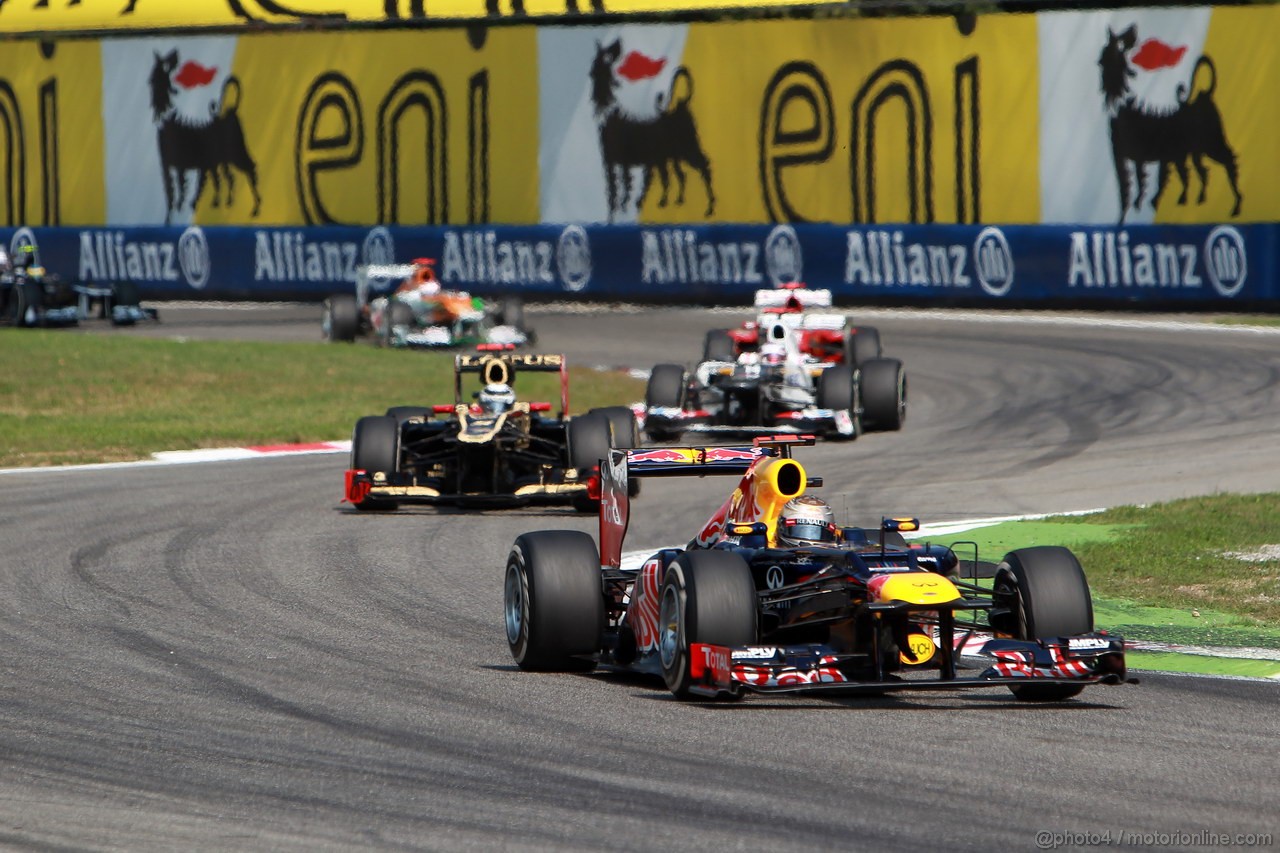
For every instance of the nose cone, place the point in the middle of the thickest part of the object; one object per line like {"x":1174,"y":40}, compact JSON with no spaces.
{"x":915,"y":588}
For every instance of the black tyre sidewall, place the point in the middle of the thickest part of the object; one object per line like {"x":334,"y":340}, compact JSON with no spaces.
{"x":863,"y":344}
{"x":1052,"y":600}
{"x":561,"y":599}
{"x":375,"y":446}
{"x":666,"y":387}
{"x":717,"y":604}
{"x":718,"y":346}
{"x":884,"y":394}
{"x":344,"y":317}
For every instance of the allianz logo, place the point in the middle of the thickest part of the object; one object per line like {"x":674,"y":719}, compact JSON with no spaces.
{"x":112,"y":256}
{"x":886,"y":258}
{"x":479,"y":256}
{"x":1113,"y":259}
{"x":687,"y":256}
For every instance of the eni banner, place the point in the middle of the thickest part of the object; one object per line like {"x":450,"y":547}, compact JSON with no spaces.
{"x":30,"y":17}
{"x":1115,"y":118}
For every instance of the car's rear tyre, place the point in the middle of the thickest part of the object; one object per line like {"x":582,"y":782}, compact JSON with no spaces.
{"x":838,"y":389}
{"x":511,"y":312}
{"x":626,"y":435}
{"x":375,"y":446}
{"x":884,"y":394}
{"x":341,"y":319}
{"x":553,"y":601}
{"x":1040,"y":593}
{"x":666,"y":387}
{"x":28,"y":304}
{"x":589,"y":443}
{"x":863,"y":343}
{"x":407,"y":413}
{"x":666,"y":390}
{"x":707,"y":597}
{"x":718,"y":346}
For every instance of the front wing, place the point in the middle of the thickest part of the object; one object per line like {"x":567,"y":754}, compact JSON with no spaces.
{"x":1084,"y":659}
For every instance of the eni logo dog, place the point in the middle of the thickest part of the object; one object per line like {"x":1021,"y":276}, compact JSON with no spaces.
{"x":633,"y":146}
{"x":206,"y":146}
{"x":1165,"y":135}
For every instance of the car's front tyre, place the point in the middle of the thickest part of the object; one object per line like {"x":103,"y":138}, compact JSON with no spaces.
{"x":553,"y":601}
{"x":707,"y":597}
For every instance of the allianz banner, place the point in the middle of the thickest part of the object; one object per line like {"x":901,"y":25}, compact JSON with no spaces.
{"x":1191,"y":265}
{"x":1105,"y":118}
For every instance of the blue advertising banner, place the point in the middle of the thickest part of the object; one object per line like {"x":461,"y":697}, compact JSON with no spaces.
{"x":1204,"y":266}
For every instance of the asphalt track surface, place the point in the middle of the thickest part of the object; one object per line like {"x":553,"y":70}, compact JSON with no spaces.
{"x":223,"y":656}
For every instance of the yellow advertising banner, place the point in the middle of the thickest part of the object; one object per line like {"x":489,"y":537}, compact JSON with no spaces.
{"x":888,"y":120}
{"x":34,"y":16}
{"x":1122,"y":116}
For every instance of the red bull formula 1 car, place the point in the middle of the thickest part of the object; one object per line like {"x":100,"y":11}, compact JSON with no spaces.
{"x":490,"y":450}
{"x":738,"y":610}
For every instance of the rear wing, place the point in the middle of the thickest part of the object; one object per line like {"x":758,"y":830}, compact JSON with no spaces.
{"x":782,"y":297}
{"x":622,"y":465}
{"x":379,"y":277}
{"x":500,"y":368}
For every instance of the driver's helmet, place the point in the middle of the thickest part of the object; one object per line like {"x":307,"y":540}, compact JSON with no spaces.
{"x":773,"y":353}
{"x":424,"y":276}
{"x":26,"y":256}
{"x":806,"y":520}
{"x":496,"y":397}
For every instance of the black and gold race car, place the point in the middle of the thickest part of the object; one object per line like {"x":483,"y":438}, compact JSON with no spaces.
{"x":771,"y":596}
{"x":489,"y":449}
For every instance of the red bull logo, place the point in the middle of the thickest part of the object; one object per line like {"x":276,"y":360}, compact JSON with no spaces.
{"x":733,"y":454}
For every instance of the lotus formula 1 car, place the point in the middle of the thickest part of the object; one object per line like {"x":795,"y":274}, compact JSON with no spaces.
{"x":491,"y":450}
{"x":761,"y":600}
{"x":404,"y":305}
{"x":779,"y":386}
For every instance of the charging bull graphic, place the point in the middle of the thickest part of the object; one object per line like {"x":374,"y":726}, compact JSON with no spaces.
{"x":208,"y":147}
{"x":1191,"y":129}
{"x":635,"y":147}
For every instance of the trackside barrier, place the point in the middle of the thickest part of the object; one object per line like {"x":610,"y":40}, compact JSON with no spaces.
{"x":1192,"y":266}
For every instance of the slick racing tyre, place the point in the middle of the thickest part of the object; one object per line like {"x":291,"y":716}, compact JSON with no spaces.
{"x":884,"y":394}
{"x":862,"y":343}
{"x":341,"y":319}
{"x":707,"y":597}
{"x":589,"y":443}
{"x":666,"y":387}
{"x":718,"y":346}
{"x":553,"y":601}
{"x":1040,"y":593}
{"x":375,"y":446}
{"x":511,"y":312}
{"x":665,"y":390}
{"x":626,"y":435}
{"x":408,"y":413}
{"x":838,"y":389}
{"x":398,"y":316}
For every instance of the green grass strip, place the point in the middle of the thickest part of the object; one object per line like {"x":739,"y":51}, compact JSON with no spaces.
{"x":68,"y":398}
